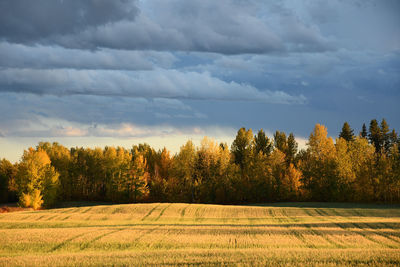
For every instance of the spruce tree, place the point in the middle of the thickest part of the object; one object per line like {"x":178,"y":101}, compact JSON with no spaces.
{"x":280,"y":141}
{"x":291,"y":148}
{"x":385,"y":136}
{"x":363,"y":132}
{"x":393,"y":138}
{"x":262,"y":143}
{"x":375,"y":135}
{"x":347,"y":133}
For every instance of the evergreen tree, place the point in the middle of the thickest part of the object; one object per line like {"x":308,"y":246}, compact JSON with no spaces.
{"x":347,"y":133}
{"x":385,"y":136}
{"x":393,"y":138}
{"x":280,"y":141}
{"x":251,"y":171}
{"x":291,"y":149}
{"x":375,"y":135}
{"x":262,"y":143}
{"x":364,"y":133}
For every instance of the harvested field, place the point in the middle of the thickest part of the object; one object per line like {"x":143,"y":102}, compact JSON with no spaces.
{"x":294,"y":234}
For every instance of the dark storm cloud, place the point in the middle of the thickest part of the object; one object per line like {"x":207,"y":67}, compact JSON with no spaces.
{"x":225,"y":26}
{"x":26,"y":21}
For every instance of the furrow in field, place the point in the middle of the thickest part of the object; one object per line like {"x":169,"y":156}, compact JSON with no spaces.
{"x":308,"y":212}
{"x":335,"y":212}
{"x":162,"y":212}
{"x":320,"y":212}
{"x":87,"y":244}
{"x":379,"y":233}
{"x":86,"y":210}
{"x":150,"y":212}
{"x":298,"y":235}
{"x":65,"y":242}
{"x":185,"y":234}
{"x":324,"y":236}
{"x":148,"y":232}
{"x":183,"y":211}
{"x":360,"y":233}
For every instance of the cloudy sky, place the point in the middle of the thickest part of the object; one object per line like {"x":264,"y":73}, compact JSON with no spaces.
{"x":99,"y":72}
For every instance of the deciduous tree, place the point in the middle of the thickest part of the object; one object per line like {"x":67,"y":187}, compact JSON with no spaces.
{"x":37,"y":180}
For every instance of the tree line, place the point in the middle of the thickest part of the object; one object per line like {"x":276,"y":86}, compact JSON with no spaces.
{"x":256,"y":168}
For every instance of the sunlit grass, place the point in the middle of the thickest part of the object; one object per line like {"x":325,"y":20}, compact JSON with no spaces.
{"x":164,"y":233}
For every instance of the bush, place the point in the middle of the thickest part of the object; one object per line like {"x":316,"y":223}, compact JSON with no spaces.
{"x":33,"y":199}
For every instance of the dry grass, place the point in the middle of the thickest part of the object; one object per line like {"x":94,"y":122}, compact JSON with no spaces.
{"x":189,"y":234}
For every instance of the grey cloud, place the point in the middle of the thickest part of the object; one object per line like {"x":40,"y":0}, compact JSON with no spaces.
{"x":116,"y":130}
{"x":197,"y":115}
{"x":225,"y":26}
{"x":149,"y":84}
{"x":300,"y":38}
{"x":243,"y":48}
{"x":357,"y":25}
{"x":37,"y":114}
{"x":170,"y":104}
{"x":30,"y":21}
{"x":248,"y":35}
{"x":49,"y":57}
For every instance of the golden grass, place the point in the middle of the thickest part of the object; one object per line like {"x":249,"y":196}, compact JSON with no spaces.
{"x":195,"y":234}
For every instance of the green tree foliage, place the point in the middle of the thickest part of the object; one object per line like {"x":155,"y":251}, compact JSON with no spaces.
{"x":262,"y":143}
{"x":394,"y":180}
{"x":375,"y":135}
{"x":280,"y":141}
{"x":364,"y":133}
{"x":287,"y":145}
{"x":183,"y":169}
{"x":291,"y":149}
{"x":381,"y":137}
{"x":8,"y":190}
{"x":347,"y":133}
{"x":386,"y":144}
{"x":206,"y":175}
{"x":242,"y":146}
{"x":393,"y":138}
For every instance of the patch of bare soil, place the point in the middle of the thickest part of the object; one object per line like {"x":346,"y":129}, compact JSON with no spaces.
{"x":11,"y":207}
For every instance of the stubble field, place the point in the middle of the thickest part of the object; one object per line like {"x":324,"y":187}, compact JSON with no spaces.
{"x":289,"y":234}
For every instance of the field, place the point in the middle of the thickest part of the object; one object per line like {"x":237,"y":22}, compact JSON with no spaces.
{"x":294,"y":234}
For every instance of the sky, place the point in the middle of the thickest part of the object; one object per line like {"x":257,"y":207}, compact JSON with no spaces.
{"x":98,"y":72}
